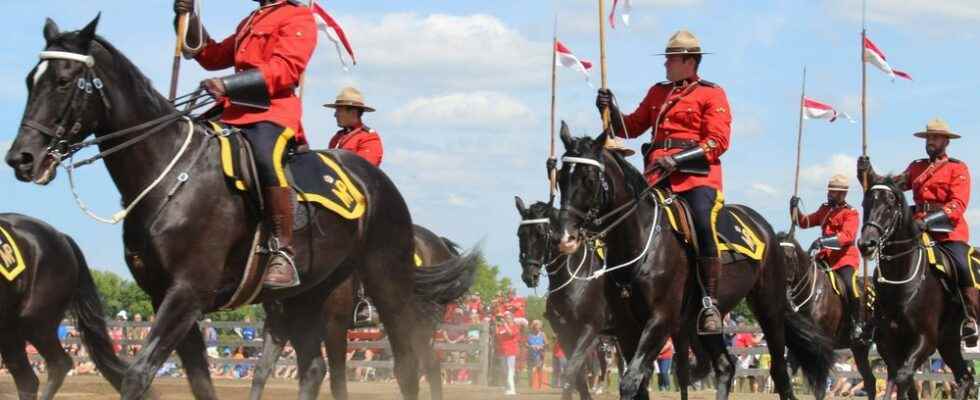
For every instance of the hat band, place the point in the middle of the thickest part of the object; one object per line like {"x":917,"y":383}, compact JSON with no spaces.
{"x":682,"y":50}
{"x":354,"y":103}
{"x":837,"y":188}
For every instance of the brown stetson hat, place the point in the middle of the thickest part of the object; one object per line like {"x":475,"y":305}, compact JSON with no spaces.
{"x":682,"y":42}
{"x":937,"y":127}
{"x":350,"y":97}
{"x":838,"y":183}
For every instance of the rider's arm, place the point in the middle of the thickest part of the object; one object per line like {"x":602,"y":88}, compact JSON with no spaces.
{"x":716,"y":126}
{"x":811,"y":220}
{"x":370,"y":149}
{"x":849,"y":229}
{"x":959,"y":188}
{"x":217,"y":55}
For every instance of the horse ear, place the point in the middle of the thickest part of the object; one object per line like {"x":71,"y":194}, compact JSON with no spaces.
{"x":51,"y":30}
{"x":87,"y":34}
{"x":566,"y":136}
{"x":520,"y":205}
{"x":600,"y":142}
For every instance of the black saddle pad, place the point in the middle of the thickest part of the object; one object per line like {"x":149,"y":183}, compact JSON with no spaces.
{"x":735,"y":234}
{"x":317,"y":177}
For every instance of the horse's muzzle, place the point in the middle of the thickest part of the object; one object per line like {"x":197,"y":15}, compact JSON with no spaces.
{"x":531,"y":277}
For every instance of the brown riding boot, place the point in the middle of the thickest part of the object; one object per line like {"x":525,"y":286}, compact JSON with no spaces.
{"x":280,"y":270}
{"x":709,"y":319}
{"x":971,"y":301}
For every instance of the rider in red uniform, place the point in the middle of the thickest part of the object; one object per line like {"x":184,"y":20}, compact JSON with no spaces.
{"x":354,"y":136}
{"x":838,"y":223}
{"x":691,"y":123}
{"x":269,"y":52}
{"x":940,"y":186}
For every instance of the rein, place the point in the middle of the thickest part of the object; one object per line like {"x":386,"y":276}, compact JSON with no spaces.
{"x":886,"y":233}
{"x":800,"y":286}
{"x":89,"y":83}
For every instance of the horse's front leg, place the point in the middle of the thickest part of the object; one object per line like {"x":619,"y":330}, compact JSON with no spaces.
{"x":273,"y":341}
{"x":177,"y":314}
{"x":652,"y":340}
{"x":575,"y":374}
{"x":922,"y":348}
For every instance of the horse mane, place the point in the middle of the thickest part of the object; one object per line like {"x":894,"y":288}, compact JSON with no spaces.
{"x":140,"y":85}
{"x":635,"y":181}
{"x":541,"y":209}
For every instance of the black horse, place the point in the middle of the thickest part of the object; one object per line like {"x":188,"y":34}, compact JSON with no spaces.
{"x":338,"y":311}
{"x":187,"y":242}
{"x":33,"y":305}
{"x":812,"y":293}
{"x":914,"y":312}
{"x":653,"y":263}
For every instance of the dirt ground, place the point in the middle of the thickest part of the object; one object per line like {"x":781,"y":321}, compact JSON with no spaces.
{"x":91,"y":387}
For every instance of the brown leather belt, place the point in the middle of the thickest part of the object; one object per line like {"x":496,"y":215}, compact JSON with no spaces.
{"x":674,"y":144}
{"x":929,"y":207}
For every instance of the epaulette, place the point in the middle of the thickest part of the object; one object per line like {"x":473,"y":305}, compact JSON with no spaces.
{"x":367,"y":129}
{"x":664,"y":83}
{"x":296,"y":3}
{"x":953,"y":160}
{"x":708,"y":83}
{"x":925,"y":160}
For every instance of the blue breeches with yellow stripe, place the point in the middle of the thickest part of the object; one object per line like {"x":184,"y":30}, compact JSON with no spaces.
{"x":705,"y":203}
{"x":270,"y":143}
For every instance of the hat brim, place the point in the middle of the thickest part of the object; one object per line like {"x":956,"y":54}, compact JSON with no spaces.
{"x":335,"y":105}
{"x":925,"y":135}
{"x":682,"y":53}
{"x":836,"y":189}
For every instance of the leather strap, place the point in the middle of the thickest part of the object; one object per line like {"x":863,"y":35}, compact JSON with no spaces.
{"x":929,"y":207}
{"x":674,"y":144}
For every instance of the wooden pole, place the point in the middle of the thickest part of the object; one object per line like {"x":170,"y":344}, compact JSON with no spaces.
{"x":799,"y":151}
{"x":864,"y":147}
{"x":178,"y":49}
{"x":552,"y":174}
{"x":602,"y":63}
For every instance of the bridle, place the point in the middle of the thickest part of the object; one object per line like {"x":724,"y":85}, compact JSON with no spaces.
{"x":592,"y":221}
{"x":547,"y":244}
{"x":885,"y":233}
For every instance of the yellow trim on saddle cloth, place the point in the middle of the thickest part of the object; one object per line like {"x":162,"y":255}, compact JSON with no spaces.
{"x":277,"y":152}
{"x":418,"y":261}
{"x":972,"y":260}
{"x":344,"y":189}
{"x":749,"y":235}
{"x":11,"y":261}
{"x":227,"y":161}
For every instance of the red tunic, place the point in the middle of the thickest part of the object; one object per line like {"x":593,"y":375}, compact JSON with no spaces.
{"x":695,"y":111}
{"x":362,"y":141}
{"x":944,"y":183}
{"x":841,"y":221}
{"x":278,"y":39}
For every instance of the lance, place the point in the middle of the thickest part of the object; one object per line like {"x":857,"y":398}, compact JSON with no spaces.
{"x":864,"y":147}
{"x":182,"y":20}
{"x":552,"y":173}
{"x":799,"y":149}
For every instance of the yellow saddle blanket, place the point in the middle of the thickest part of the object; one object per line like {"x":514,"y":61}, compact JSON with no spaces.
{"x":11,"y":261}
{"x":733,"y":235}
{"x":316,"y":176}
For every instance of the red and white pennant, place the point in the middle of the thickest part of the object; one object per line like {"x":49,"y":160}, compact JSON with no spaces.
{"x":565,"y":57}
{"x":329,"y":26}
{"x":876,"y":57}
{"x":813,"y":109}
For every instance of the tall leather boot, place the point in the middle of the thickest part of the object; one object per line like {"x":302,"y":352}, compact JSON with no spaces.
{"x":971,"y":301}
{"x":709,"y":319}
{"x":280,"y":270}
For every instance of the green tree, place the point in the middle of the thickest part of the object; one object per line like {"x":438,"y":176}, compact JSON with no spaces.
{"x":119,"y":294}
{"x":488,"y":281}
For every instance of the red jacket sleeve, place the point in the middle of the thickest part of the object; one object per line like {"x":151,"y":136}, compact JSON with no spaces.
{"x":959,"y":187}
{"x":849,"y":230}
{"x":370,"y":149}
{"x":716,"y":128}
{"x":641,"y":119}
{"x":297,"y":39}
{"x":815,"y":219}
{"x":214,"y":55}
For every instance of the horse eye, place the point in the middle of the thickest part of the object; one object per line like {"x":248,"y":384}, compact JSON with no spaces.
{"x":62,"y":81}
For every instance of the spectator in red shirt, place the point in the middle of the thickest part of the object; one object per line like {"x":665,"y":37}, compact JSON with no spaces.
{"x":507,"y":337}
{"x":663,"y":363}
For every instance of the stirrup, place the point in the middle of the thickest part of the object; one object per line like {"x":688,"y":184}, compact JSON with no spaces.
{"x":708,"y":308}
{"x":963,"y":328}
{"x":371,"y":319}
{"x":273,"y":251}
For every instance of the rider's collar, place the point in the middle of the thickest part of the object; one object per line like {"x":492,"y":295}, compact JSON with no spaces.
{"x":685,"y":82}
{"x":355,"y":128}
{"x":941,"y":157}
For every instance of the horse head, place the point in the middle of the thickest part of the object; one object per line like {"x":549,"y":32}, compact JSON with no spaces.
{"x":537,"y":235}
{"x":797,"y":259}
{"x":584,"y":186}
{"x":61,"y":108}
{"x":885,"y":213}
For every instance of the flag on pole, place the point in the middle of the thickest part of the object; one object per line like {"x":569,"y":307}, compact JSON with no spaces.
{"x":567,"y":59}
{"x":326,"y":24}
{"x":813,"y":109}
{"x":625,"y":14}
{"x":874,"y":55}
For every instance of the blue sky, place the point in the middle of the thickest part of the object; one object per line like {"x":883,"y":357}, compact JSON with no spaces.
{"x":462,"y":95}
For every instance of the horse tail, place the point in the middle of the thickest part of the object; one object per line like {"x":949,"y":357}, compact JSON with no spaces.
{"x":442,"y":283}
{"x":454,"y":248}
{"x":810,"y":346}
{"x":91,"y":324}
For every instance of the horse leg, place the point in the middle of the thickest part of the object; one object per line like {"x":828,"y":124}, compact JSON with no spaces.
{"x":409,"y":333}
{"x":16,"y":361}
{"x":178,"y":314}
{"x":45,"y":339}
{"x":193,"y":356}
{"x":306,"y":329}
{"x":273,"y":340}
{"x":773,"y":327}
{"x":950,"y":351}
{"x":429,"y":361}
{"x":860,"y":353}
{"x":336,"y":342}
{"x":652,"y":339}
{"x":723,"y":362}
{"x":576,"y":373}
{"x":904,"y":379}
{"x":683,"y":363}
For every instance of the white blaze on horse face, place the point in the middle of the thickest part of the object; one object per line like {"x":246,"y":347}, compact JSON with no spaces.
{"x":43,"y":66}
{"x":567,"y":244}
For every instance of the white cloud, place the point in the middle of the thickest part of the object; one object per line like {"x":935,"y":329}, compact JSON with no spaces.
{"x":472,"y":51}
{"x":764,"y":188}
{"x":464,"y":110}
{"x":900,"y":12}
{"x":816,"y":176}
{"x":458,"y":201}
{"x":747,"y":125}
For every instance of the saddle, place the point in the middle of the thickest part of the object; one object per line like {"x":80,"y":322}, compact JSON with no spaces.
{"x":11,"y":262}
{"x":942,"y":261}
{"x":318,"y":180}
{"x":737,"y":240}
